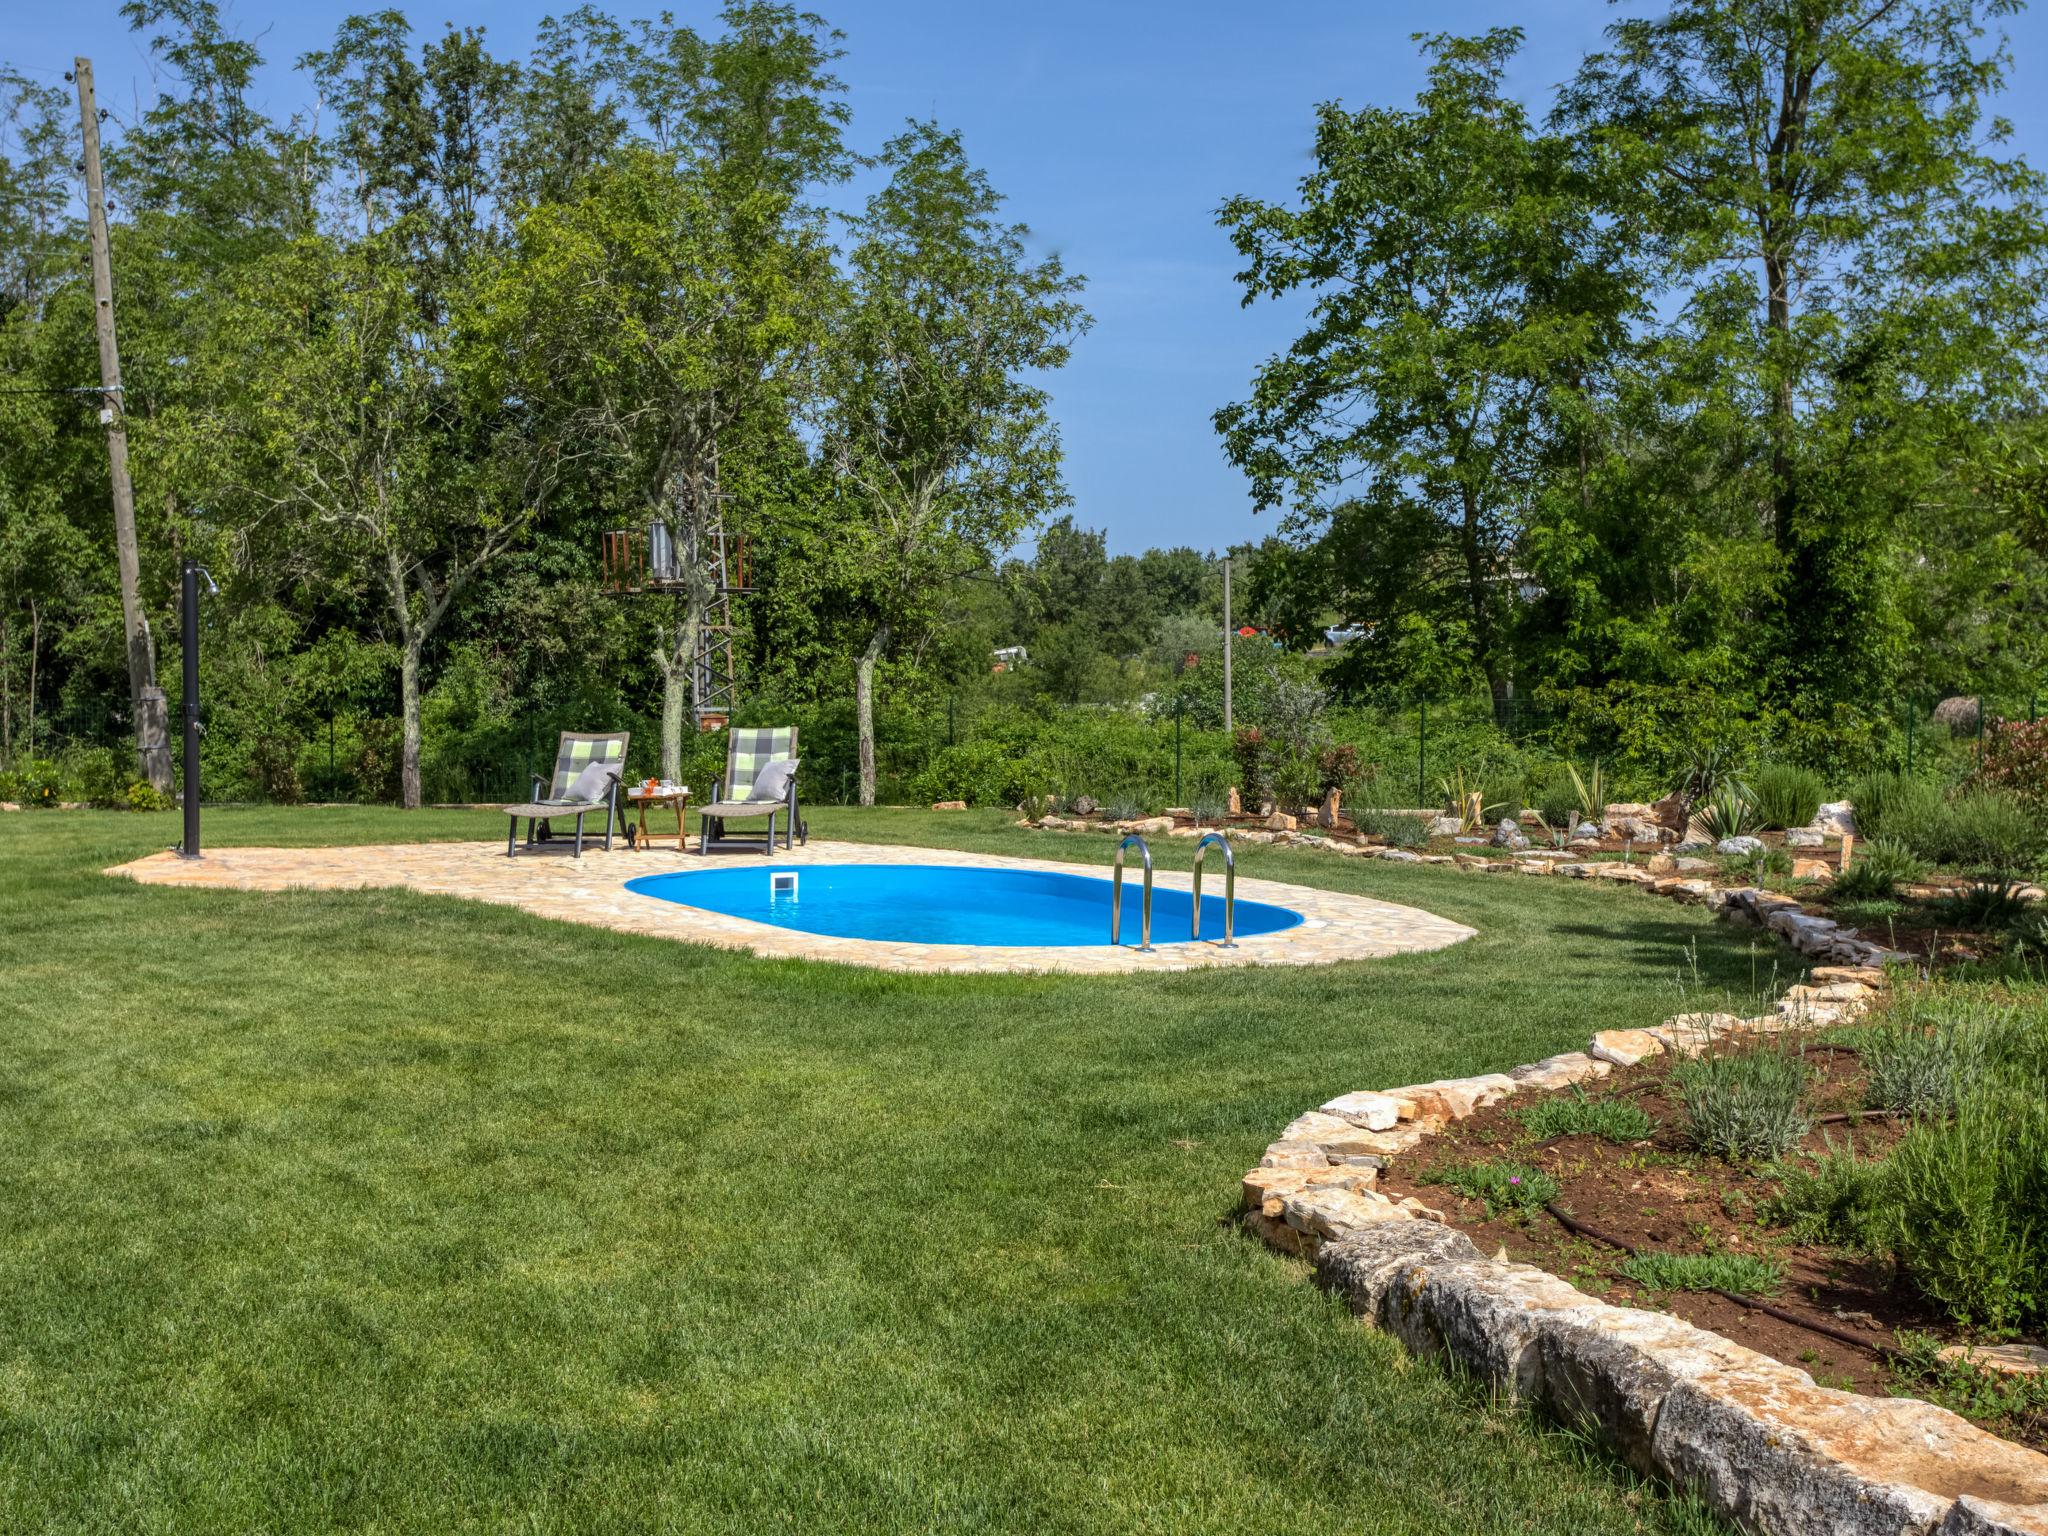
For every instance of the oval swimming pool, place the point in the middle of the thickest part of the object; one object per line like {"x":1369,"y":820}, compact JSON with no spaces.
{"x":952,"y":904}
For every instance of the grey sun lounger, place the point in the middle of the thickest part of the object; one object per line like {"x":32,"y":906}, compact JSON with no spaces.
{"x":733,"y":798}
{"x":575,"y":753}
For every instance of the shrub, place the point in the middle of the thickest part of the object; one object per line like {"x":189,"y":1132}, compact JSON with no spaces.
{"x":2016,"y":761}
{"x":1123,"y":804}
{"x":1557,"y":800}
{"x":36,"y":782}
{"x":1729,"y":812}
{"x":1834,"y":1197}
{"x":1986,"y":904}
{"x":1591,"y":791}
{"x":1744,"y":1105}
{"x":1988,"y":832}
{"x":1894,"y":806}
{"x":1575,"y":1114}
{"x":1969,"y":1215}
{"x":1514,"y":1188}
{"x":144,"y":796}
{"x":1878,"y":869}
{"x":1393,"y":829}
{"x":1787,"y":796}
{"x":1917,"y":1067}
{"x":1756,"y":868}
{"x":1744,"y":1273}
{"x":1336,"y":767}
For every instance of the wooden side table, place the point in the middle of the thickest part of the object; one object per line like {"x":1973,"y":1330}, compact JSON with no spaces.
{"x":675,"y":797}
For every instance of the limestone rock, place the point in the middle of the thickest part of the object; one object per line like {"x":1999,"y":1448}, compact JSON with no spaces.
{"x":949,"y":805}
{"x":1561,"y":1071}
{"x":1736,"y":847}
{"x":1812,"y":869}
{"x":1774,"y":1452}
{"x":1365,"y":1109}
{"x":1837,"y":819}
{"x":1689,"y":1034}
{"x":1805,"y":837}
{"x":1400,"y":856}
{"x":1972,"y":1516}
{"x":1626,"y":874}
{"x":1697,"y":866}
{"x":1509,"y":834}
{"x":1083,"y":805}
{"x":1294,"y":1152}
{"x":1453,"y":1098}
{"x":1868,"y":975}
{"x":1487,"y":1317}
{"x":1445,"y":826}
{"x":1625,"y":1047}
{"x":2006,"y":1359}
{"x":1609,"y":1369}
{"x":1362,"y":1268}
{"x":1280,"y":821}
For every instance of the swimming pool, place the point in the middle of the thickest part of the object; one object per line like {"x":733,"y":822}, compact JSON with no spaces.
{"x":937,"y":904}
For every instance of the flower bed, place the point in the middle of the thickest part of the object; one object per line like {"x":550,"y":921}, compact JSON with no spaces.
{"x":1728,"y":1175}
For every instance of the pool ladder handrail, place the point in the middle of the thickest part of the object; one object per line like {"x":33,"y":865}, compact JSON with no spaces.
{"x":1116,"y":893}
{"x":1203,"y":843}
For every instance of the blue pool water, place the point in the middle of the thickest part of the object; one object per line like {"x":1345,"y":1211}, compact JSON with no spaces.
{"x":940,"y":904}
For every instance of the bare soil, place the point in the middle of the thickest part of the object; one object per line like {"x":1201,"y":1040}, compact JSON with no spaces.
{"x":1659,"y":1194}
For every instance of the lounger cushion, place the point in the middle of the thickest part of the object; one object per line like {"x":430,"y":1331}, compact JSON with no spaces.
{"x":593,"y":783}
{"x":772,"y":782}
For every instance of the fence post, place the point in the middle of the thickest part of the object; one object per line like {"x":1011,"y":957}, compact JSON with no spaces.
{"x":1422,"y":753}
{"x":1178,"y":706}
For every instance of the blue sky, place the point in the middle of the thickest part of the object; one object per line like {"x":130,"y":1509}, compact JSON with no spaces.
{"x":1115,"y":128}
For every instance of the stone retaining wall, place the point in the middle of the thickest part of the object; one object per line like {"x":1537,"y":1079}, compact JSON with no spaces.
{"x":1761,"y":1441}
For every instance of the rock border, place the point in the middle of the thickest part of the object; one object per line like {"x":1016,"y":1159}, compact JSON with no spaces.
{"x":1762,"y":1443}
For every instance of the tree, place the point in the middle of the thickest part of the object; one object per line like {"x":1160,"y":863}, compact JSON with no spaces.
{"x":940,"y":442}
{"x":1854,"y":269}
{"x":1464,"y":277}
{"x":682,"y":294}
{"x":375,"y":443}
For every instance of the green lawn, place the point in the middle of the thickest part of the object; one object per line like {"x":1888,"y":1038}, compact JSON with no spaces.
{"x":389,"y":1213}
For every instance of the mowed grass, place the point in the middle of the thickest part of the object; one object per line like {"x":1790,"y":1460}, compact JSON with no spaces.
{"x":379,"y":1212}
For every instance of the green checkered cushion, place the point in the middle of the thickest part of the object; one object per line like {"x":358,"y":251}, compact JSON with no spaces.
{"x":576,"y":752}
{"x":747,"y":752}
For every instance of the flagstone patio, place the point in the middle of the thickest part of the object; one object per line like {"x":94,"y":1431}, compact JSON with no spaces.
{"x":592,"y":890}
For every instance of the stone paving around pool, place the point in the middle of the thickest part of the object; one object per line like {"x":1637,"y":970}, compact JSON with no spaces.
{"x":592,"y":890}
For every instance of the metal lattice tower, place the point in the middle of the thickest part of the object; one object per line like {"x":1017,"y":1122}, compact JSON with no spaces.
{"x":650,"y":563}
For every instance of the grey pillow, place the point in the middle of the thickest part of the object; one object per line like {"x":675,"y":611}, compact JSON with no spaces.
{"x":593,"y":783}
{"x":772,"y":782}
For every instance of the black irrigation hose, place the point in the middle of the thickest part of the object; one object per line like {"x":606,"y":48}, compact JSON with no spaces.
{"x":1839,"y":1335}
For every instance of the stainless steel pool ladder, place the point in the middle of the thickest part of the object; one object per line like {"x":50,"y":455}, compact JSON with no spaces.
{"x":1116,"y":893}
{"x":1203,"y":844}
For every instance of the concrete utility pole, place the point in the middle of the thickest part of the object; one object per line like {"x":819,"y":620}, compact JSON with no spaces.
{"x":1227,"y":637}
{"x":146,"y":700}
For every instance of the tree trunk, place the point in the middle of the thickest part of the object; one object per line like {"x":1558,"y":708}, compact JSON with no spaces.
{"x":864,"y":710}
{"x":676,"y":663}
{"x":409,"y":710}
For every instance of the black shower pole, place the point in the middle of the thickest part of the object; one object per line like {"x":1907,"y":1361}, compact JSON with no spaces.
{"x":188,"y":616}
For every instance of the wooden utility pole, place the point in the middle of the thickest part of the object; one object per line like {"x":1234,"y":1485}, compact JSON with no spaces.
{"x":146,"y":700}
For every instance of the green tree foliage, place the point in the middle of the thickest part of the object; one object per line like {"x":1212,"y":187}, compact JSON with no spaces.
{"x":1465,"y":285}
{"x":938,"y":438}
